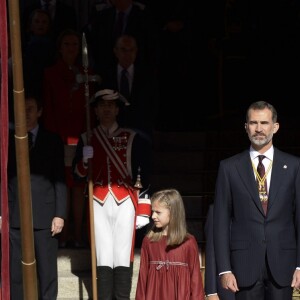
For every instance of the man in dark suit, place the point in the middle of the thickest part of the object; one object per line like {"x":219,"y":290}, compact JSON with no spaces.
{"x":213,"y":288}
{"x":62,"y":15}
{"x":142,"y":94}
{"x":102,"y":33}
{"x":257,"y":228}
{"x":48,"y":194}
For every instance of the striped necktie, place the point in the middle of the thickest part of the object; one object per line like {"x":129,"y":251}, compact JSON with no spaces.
{"x":262,"y":183}
{"x":124,"y":84}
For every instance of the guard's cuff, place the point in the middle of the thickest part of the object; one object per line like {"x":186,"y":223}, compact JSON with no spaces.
{"x":144,"y":207}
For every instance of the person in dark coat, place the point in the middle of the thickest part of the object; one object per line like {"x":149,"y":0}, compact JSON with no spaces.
{"x":101,"y":33}
{"x":48,"y":197}
{"x":256,"y":216}
{"x":63,"y":16}
{"x":142,"y":93}
{"x":212,"y":284}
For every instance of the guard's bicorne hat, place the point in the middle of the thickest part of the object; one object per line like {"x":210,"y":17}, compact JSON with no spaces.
{"x":107,"y":94}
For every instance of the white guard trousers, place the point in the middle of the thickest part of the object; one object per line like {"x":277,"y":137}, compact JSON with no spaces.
{"x":114,"y":226}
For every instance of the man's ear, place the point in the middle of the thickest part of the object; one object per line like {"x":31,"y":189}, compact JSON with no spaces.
{"x":276,"y":127}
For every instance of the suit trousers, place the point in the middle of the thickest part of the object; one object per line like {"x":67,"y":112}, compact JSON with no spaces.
{"x":265,"y":288}
{"x":46,"y":248}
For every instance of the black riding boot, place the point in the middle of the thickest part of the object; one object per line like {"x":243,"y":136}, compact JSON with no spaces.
{"x":105,"y":283}
{"x":122,"y":282}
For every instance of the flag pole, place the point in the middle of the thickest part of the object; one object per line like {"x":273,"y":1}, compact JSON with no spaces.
{"x":4,"y":120}
{"x":90,"y":178}
{"x":22,"y":158}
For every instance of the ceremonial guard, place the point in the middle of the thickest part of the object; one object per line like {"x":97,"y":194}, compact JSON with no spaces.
{"x":120,"y":168}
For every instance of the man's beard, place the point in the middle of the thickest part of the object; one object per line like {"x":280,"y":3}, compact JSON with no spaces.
{"x":263,"y":140}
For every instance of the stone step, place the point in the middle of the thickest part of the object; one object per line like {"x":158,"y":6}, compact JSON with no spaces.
{"x":74,"y":274}
{"x":72,"y":259}
{"x":74,"y":285}
{"x":166,"y":141}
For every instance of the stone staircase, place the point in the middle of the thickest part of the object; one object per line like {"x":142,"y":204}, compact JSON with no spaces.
{"x":189,"y":161}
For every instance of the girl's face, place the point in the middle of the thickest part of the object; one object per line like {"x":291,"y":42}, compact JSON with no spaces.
{"x":160,"y":216}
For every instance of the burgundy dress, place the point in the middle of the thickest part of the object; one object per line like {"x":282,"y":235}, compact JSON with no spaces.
{"x":169,"y":274}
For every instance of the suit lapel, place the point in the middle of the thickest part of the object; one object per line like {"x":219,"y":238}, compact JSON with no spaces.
{"x":278,"y":170}
{"x":245,"y":170}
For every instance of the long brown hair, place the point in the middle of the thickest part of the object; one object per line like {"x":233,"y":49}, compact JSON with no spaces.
{"x":177,"y":229}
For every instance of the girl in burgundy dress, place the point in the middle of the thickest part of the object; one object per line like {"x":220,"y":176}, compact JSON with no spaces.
{"x":169,"y":265}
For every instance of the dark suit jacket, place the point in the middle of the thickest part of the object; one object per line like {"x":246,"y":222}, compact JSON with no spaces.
{"x":65,"y":17}
{"x":144,"y":97}
{"x":47,"y":177}
{"x":212,"y":281}
{"x":243,"y":247}
{"x":100,"y":36}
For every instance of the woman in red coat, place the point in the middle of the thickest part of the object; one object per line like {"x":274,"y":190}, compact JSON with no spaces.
{"x":65,"y":113}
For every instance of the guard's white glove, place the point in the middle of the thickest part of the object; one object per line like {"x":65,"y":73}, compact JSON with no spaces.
{"x":87,"y":152}
{"x":141,"y":221}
